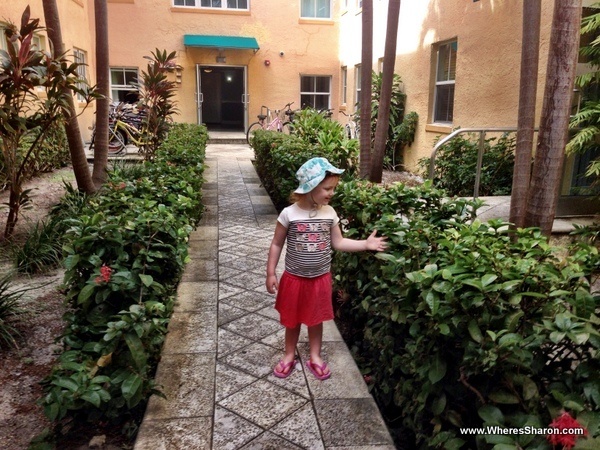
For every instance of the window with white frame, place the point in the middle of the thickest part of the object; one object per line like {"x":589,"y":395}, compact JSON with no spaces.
{"x":214,"y":4}
{"x":80,"y":57}
{"x":121,"y":84}
{"x":3,"y":41}
{"x":357,"y":81}
{"x":315,"y":91}
{"x":444,"y":82}
{"x":315,"y":9}
{"x":344,"y":75}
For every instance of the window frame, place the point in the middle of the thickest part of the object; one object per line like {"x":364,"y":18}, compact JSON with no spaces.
{"x":316,"y":8}
{"x":440,"y":84}
{"x":357,"y":85}
{"x":315,"y":93}
{"x":80,"y":57}
{"x":224,"y":7}
{"x":122,"y":87}
{"x":344,"y":85}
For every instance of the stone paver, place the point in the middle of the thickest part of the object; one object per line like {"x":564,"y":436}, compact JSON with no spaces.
{"x":225,"y":338}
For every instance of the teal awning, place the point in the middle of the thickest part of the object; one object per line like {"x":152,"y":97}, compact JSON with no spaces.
{"x":222,"y":42}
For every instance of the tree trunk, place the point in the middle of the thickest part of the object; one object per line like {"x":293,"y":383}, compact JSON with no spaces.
{"x":530,"y":53}
{"x":387,"y":79}
{"x":78,"y":158}
{"x":366,"y":70}
{"x":553,"y":132}
{"x":99,"y":174}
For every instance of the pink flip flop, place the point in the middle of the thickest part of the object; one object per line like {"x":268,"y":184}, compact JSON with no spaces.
{"x":311,"y":366}
{"x":288,"y":368}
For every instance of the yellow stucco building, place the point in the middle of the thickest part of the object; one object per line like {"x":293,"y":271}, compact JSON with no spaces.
{"x":459,"y":61}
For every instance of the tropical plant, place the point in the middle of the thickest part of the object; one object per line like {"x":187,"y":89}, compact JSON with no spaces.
{"x":9,"y":311}
{"x":24,"y":69}
{"x":156,"y":100}
{"x":586,"y":122}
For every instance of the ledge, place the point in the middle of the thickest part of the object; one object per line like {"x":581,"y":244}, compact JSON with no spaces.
{"x":438,"y":128}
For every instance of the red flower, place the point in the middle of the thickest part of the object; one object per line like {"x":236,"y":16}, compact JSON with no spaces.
{"x":567,"y":431}
{"x":105,"y":273}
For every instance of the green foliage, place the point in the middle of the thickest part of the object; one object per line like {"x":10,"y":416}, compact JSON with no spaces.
{"x":23,"y":70}
{"x":456,"y":162}
{"x":41,"y":250}
{"x":9,"y":311}
{"x":585,"y":122}
{"x":458,"y":326}
{"x":278,"y":157}
{"x":401,"y":130}
{"x":156,"y":100}
{"x":124,"y":254}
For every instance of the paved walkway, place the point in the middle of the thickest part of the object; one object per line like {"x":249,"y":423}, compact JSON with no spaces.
{"x":224,"y":339}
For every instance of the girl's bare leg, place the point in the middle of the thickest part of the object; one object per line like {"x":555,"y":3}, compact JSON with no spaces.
{"x":315,"y":341}
{"x":291,"y":341}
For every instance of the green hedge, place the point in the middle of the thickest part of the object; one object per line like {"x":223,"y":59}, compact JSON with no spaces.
{"x":125,"y":253}
{"x":278,"y":157}
{"x":458,"y":326}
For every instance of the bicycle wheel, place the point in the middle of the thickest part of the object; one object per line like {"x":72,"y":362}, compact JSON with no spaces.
{"x":287,"y":128}
{"x":251,"y":129}
{"x":117,"y":142}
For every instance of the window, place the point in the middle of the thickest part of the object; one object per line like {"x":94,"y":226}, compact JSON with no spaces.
{"x":121,"y":88}
{"x":316,"y":9}
{"x":444,"y":82}
{"x":315,"y":91}
{"x":216,"y":4}
{"x":3,"y":41}
{"x":357,"y":81}
{"x":80,"y":57}
{"x":344,"y":85}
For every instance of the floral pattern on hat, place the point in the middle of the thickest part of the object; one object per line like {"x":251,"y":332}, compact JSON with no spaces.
{"x":312,"y":172}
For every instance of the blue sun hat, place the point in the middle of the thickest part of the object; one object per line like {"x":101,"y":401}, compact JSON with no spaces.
{"x":312,"y":172}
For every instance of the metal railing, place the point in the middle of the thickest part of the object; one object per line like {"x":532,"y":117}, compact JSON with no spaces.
{"x":480,"y":151}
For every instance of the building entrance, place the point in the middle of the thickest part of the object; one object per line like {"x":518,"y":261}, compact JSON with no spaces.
{"x":222,"y":97}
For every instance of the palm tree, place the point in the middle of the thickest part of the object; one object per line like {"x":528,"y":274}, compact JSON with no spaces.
{"x":366,"y":73}
{"x":78,"y":158}
{"x":530,"y":53}
{"x":99,"y":174}
{"x":383,"y":117}
{"x":552,"y":136}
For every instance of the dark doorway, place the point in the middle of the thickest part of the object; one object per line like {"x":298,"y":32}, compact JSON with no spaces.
{"x":222,"y":91}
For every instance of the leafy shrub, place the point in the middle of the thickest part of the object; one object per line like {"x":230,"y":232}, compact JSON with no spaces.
{"x":458,"y":326}
{"x":124,"y":255}
{"x":278,"y":157}
{"x":42,"y":249}
{"x":9,"y":311}
{"x":456,"y":162}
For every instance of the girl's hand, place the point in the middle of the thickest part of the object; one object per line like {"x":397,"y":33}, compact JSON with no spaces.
{"x":272,"y":284}
{"x":375,"y":243}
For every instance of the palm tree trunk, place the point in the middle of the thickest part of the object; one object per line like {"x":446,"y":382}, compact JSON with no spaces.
{"x":387,"y":79}
{"x":78,"y":158}
{"x":530,"y":53}
{"x":99,"y":174}
{"x":366,"y":71}
{"x":553,"y":132}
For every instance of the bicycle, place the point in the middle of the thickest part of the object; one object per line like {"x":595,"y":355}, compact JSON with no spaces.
{"x":124,"y":125}
{"x":351,"y":128}
{"x":281,"y":122}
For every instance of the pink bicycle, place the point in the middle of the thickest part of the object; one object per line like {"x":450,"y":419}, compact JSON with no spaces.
{"x":279,"y":120}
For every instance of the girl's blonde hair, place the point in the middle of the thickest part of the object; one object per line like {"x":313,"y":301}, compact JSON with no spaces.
{"x":295,"y":197}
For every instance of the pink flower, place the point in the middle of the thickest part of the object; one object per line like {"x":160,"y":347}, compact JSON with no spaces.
{"x":566,"y":436}
{"x":312,"y":237}
{"x":302,"y":227}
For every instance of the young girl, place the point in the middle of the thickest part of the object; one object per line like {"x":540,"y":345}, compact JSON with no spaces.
{"x":312,"y":229}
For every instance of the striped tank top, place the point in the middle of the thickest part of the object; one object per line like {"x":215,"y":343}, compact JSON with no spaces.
{"x":308,"y":250}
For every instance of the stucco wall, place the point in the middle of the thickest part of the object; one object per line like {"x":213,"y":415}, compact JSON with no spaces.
{"x":488,"y":60}
{"x":137,"y":28}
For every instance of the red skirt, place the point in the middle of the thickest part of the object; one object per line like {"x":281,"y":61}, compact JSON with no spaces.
{"x":303,"y":300}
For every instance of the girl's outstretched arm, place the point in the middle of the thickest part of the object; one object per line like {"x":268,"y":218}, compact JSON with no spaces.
{"x":273,"y":259}
{"x":373,"y":243}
